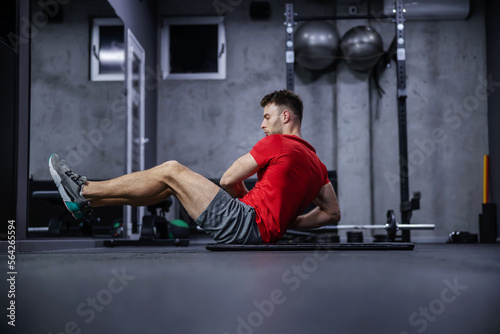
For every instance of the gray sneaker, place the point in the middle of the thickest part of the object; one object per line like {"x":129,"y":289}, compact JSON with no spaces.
{"x":69,"y":185}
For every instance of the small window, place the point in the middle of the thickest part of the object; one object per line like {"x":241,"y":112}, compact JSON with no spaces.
{"x":193,"y":48}
{"x":107,"y":50}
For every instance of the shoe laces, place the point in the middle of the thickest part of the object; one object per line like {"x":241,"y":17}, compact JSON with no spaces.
{"x":79,"y":180}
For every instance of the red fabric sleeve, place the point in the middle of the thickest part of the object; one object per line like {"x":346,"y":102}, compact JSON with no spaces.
{"x":266,"y":149}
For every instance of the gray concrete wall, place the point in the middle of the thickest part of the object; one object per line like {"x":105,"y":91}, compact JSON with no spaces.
{"x":81,"y":120}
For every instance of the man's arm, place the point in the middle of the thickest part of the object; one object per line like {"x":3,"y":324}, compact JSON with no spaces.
{"x":326,"y":212}
{"x":232,"y":180}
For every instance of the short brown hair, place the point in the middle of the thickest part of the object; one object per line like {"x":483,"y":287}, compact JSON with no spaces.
{"x":284,"y":99}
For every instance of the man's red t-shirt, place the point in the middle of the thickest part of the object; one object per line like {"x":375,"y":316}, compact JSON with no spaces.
{"x":289,"y":178}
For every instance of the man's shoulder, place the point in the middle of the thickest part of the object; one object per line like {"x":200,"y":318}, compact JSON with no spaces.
{"x":267,"y":147}
{"x":271,"y":139}
{"x":297,"y":141}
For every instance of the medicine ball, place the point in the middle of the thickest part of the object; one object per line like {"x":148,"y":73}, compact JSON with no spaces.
{"x":316,"y":45}
{"x":361,"y":48}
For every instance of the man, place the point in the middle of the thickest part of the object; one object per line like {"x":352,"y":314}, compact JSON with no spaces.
{"x":290,"y":176}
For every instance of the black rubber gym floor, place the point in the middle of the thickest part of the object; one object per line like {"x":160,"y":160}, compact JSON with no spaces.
{"x":436,"y":288}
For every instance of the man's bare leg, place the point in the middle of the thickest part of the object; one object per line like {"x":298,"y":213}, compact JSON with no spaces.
{"x":194,"y":191}
{"x":146,"y":201}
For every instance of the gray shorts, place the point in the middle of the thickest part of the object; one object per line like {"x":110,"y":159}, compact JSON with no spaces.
{"x":229,"y":221}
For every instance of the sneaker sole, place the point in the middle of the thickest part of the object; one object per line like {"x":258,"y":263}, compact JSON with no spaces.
{"x":72,"y":207}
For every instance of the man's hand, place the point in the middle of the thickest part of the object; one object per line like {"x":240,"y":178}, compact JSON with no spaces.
{"x":326,"y":212}
{"x":232,"y":180}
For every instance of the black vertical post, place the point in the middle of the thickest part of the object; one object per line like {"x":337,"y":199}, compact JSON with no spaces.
{"x":23,"y":125}
{"x":290,"y":56}
{"x":8,"y":125}
{"x":402,"y":120}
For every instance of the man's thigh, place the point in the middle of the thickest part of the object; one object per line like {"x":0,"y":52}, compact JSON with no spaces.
{"x":194,"y":191}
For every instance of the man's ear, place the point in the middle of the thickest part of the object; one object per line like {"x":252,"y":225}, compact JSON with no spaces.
{"x":286,"y":116}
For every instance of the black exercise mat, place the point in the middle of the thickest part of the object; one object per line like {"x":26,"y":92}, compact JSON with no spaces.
{"x":378,"y":246}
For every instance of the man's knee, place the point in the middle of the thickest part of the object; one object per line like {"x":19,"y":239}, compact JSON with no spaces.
{"x":171,"y":168}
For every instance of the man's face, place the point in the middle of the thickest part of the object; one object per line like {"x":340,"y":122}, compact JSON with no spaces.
{"x":273,"y":122}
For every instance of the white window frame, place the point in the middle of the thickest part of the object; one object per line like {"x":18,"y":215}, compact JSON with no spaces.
{"x":94,"y":49}
{"x":135,"y":49}
{"x":165,"y":47}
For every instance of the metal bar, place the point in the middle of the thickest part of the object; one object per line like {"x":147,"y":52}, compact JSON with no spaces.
{"x":402,"y":117}
{"x":378,"y":227}
{"x":289,"y":48}
{"x":354,"y":227}
{"x":38,"y":229}
{"x":415,"y":226}
{"x":342,"y":17}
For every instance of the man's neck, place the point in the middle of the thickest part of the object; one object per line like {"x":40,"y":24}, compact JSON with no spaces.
{"x":293,"y":131}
